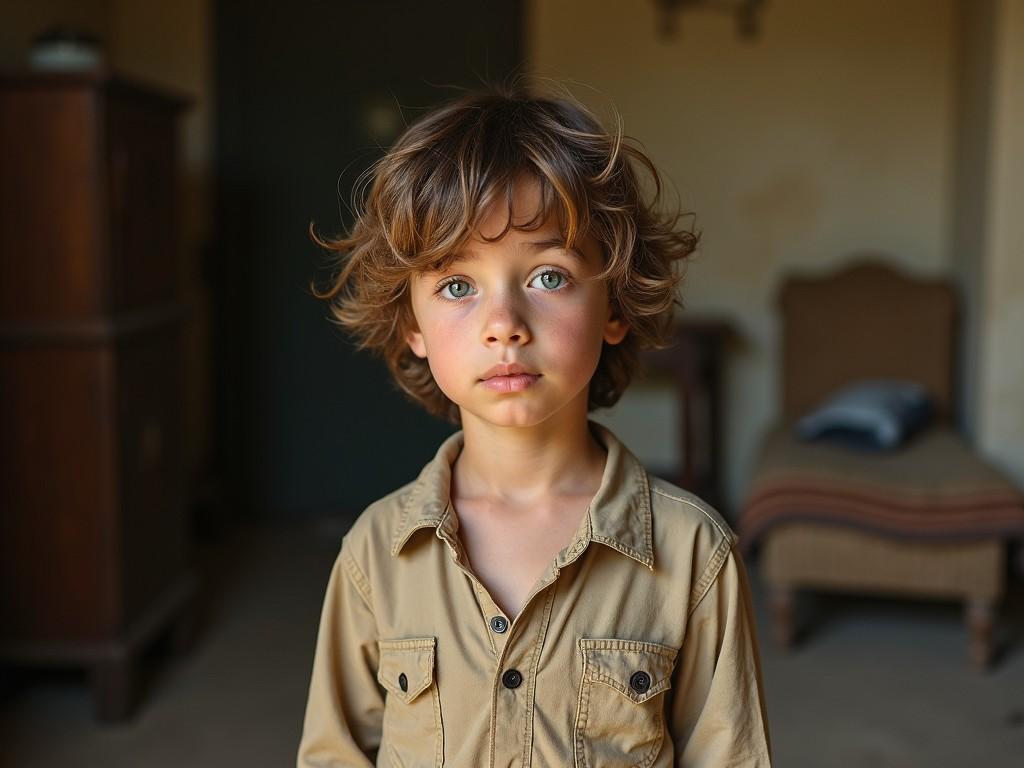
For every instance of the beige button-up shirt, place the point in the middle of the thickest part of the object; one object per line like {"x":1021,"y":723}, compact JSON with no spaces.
{"x":636,"y":647}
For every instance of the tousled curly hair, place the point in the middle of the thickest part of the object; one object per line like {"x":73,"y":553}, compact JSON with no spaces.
{"x":428,"y":193}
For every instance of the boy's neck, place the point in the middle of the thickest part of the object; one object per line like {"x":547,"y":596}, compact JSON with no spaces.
{"x":560,"y":457}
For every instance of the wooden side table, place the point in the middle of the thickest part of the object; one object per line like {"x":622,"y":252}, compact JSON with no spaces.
{"x":694,"y":364}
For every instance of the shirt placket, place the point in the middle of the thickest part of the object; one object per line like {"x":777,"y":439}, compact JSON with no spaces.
{"x":517,"y":645}
{"x":496,"y":624}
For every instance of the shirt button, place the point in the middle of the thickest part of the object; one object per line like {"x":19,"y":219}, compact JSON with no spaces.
{"x":640,"y":682}
{"x":499,"y":624}
{"x":512,"y":678}
{"x":403,"y":682}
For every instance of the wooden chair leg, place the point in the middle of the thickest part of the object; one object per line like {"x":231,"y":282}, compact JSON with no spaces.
{"x":781,"y":601}
{"x":980,"y":615}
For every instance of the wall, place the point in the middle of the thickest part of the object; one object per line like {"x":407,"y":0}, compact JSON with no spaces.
{"x":1001,"y":322}
{"x":829,"y":134}
{"x":23,"y":21}
{"x":972,"y":151}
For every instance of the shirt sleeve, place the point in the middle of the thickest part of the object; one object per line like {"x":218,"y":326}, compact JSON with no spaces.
{"x":718,"y":714}
{"x":345,"y":708}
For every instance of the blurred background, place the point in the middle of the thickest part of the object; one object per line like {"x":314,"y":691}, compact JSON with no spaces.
{"x":187,"y":437}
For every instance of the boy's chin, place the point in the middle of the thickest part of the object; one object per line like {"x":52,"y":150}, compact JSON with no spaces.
{"x":518,"y":414}
{"x":507,"y":415}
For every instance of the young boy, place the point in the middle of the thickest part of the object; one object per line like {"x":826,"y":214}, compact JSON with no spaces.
{"x":534,"y":597}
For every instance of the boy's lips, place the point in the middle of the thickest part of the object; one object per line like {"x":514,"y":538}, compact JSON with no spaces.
{"x":506,"y":369}
{"x":508,"y":377}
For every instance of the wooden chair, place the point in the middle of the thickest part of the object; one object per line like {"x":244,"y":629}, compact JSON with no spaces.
{"x":930,"y":519}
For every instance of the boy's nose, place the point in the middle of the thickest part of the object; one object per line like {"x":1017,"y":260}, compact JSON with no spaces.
{"x":506,"y":326}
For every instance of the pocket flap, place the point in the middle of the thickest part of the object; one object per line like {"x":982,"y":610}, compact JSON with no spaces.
{"x":406,"y":666}
{"x":638,"y":670}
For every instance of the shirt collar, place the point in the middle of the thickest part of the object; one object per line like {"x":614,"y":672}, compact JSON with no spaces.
{"x":619,"y":516}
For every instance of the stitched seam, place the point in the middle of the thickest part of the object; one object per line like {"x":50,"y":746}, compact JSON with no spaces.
{"x":639,"y":698}
{"x":424,"y":681}
{"x":407,"y":503}
{"x":408,"y":644}
{"x":656,"y":749}
{"x":533,"y":667}
{"x":490,"y":633}
{"x":358,"y":579}
{"x":582,"y":710}
{"x":645,"y":500}
{"x":634,"y":646}
{"x":710,"y":574}
{"x":493,"y":727}
{"x":703,"y":511}
{"x":438,"y":728}
{"x":395,"y":759}
{"x":424,"y":523}
{"x":626,"y":550}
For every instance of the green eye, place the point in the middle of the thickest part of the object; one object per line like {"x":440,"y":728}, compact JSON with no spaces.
{"x":458,"y":288}
{"x":552,"y":280}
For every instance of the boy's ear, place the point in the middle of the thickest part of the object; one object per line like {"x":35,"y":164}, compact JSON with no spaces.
{"x":615,"y":329}
{"x":415,"y":341}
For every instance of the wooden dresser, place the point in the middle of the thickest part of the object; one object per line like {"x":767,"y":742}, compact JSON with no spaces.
{"x":94,"y":541}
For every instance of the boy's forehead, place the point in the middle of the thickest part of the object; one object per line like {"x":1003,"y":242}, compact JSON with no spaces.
{"x":522,"y":243}
{"x":528,"y":228}
{"x":525,"y":206}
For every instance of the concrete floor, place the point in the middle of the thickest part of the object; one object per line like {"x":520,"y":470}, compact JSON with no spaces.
{"x":877,"y":683}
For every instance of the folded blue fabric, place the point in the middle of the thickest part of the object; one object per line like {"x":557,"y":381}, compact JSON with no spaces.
{"x":869,"y":415}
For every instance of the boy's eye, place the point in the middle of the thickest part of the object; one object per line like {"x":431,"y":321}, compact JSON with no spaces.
{"x":455,"y":288}
{"x":551,"y":280}
{"x":459,"y":288}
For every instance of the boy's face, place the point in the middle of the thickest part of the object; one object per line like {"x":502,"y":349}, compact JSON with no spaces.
{"x":522,"y":299}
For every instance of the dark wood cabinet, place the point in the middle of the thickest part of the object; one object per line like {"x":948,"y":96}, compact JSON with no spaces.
{"x":94,"y":541}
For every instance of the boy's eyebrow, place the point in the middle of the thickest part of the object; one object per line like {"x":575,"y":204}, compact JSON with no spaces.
{"x":555,"y":242}
{"x":539,"y":245}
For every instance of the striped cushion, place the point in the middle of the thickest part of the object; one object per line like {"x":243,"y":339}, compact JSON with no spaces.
{"x":932,"y":486}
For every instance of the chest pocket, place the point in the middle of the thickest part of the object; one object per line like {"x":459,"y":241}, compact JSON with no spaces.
{"x":620,"y":712}
{"x":412,"y":734}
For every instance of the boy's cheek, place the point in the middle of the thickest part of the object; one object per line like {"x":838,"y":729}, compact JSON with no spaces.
{"x":576,"y":329}
{"x":446,"y":352}
{"x":446,"y":378}
{"x":446,"y":336}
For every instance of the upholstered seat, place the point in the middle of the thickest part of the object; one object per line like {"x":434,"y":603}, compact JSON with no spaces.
{"x":932,"y":487}
{"x":929,"y":519}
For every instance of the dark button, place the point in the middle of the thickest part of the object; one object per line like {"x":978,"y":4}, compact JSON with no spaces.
{"x":512,"y":678}
{"x":640,"y":682}
{"x":403,"y":682}
{"x":499,"y":624}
